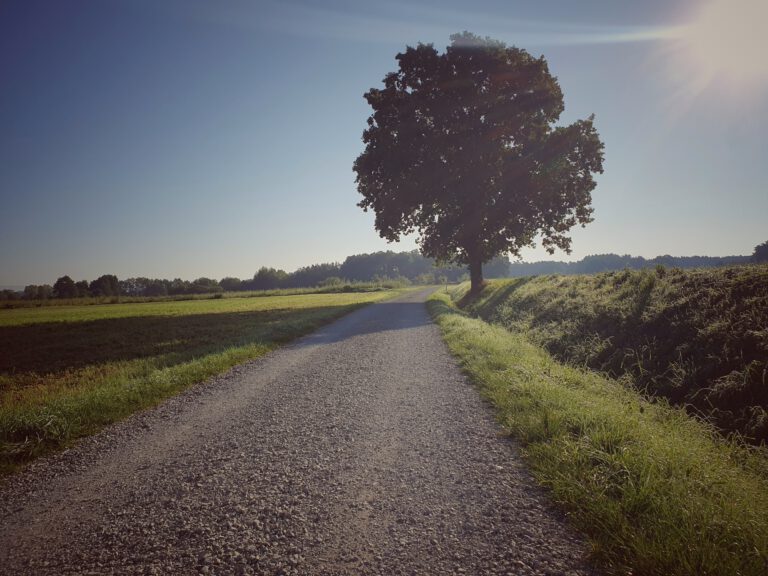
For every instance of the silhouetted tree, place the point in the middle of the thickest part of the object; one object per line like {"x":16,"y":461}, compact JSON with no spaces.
{"x":106,"y":285}
{"x":65,"y":288}
{"x":312,"y":275}
{"x":82,"y":288}
{"x":128,"y":287}
{"x":8,"y":294}
{"x":35,"y":292}
{"x":268,"y":279}
{"x":231,"y":284}
{"x":204,"y":286}
{"x":761,"y":253}
{"x":176,"y":286}
{"x":461,"y":147}
{"x":157,"y":287}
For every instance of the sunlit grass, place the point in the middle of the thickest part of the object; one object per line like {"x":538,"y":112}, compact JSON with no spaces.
{"x":696,"y":337}
{"x":83,"y":312}
{"x":333,"y":288}
{"x":657,"y":492}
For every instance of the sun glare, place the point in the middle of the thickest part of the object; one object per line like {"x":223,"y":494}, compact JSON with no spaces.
{"x":726,"y":45}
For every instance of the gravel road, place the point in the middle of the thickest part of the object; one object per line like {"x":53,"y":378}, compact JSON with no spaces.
{"x":360,"y":449}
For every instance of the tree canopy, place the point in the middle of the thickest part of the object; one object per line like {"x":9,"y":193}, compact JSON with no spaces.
{"x":462,"y":148}
{"x":105,"y":285}
{"x":65,"y":288}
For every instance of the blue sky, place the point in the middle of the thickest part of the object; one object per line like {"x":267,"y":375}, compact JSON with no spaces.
{"x":196,"y":138}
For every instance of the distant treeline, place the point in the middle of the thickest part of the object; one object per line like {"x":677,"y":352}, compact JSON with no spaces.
{"x":612,"y":262}
{"x":403,"y":267}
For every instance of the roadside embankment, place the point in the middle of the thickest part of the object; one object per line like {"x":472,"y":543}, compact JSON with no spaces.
{"x":698,"y":338}
{"x":657,"y":492}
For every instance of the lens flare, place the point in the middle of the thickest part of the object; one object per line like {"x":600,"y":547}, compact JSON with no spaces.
{"x":726,"y":46}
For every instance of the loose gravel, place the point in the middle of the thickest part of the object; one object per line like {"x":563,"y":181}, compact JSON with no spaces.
{"x":360,"y":449}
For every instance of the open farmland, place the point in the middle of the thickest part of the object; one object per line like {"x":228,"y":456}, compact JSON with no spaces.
{"x":66,"y":371}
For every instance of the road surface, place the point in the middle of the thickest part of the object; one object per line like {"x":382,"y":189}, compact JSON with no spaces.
{"x":360,"y":449}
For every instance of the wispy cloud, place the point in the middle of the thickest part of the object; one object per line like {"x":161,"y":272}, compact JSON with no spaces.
{"x":399,"y":23}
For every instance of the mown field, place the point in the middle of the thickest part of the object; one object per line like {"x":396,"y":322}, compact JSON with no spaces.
{"x":698,"y":338}
{"x":657,"y":491}
{"x":67,"y":371}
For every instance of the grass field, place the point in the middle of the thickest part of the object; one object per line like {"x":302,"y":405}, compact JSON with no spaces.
{"x":657,"y":492}
{"x":341,"y":287}
{"x":66,"y":371}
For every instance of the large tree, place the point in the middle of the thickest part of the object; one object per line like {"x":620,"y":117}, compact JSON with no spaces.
{"x":462,"y":148}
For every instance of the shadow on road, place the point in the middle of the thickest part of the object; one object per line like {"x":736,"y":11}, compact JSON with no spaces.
{"x":380,"y":317}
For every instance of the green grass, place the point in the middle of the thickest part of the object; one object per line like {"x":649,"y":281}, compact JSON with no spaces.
{"x":342,"y":287}
{"x":696,"y":337}
{"x":657,"y":492}
{"x":65,"y":372}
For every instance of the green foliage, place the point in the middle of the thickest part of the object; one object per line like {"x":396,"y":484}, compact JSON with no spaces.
{"x":7,"y":294}
{"x":66,"y":371}
{"x":698,"y":338}
{"x":230,"y":284}
{"x":65,"y":288}
{"x":205,"y":286}
{"x":463,"y":148}
{"x":657,"y":492}
{"x":331,"y":281}
{"x":314,"y":275}
{"x":106,"y":285}
{"x":81,"y":289}
{"x":269,"y":279}
{"x":35,"y":292}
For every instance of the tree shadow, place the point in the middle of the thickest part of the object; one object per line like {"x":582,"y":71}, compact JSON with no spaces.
{"x":378,"y":318}
{"x":483,"y":305}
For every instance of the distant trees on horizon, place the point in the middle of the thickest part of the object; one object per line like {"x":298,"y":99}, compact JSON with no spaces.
{"x":407,"y":267}
{"x":611,"y":262}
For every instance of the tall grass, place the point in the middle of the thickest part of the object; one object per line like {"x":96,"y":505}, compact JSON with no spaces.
{"x":697,"y":337}
{"x":657,"y":492}
{"x":65,"y":372}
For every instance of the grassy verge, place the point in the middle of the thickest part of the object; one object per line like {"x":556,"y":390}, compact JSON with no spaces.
{"x":65,"y":372}
{"x":657,"y":492}
{"x":696,"y":337}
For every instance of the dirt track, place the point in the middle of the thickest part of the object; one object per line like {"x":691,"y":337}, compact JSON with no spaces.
{"x":360,"y":449}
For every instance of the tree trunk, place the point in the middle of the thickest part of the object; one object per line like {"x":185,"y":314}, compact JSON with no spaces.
{"x":476,"y":274}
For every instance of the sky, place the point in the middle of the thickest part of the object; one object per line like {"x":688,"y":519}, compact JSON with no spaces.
{"x":188,"y":138}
